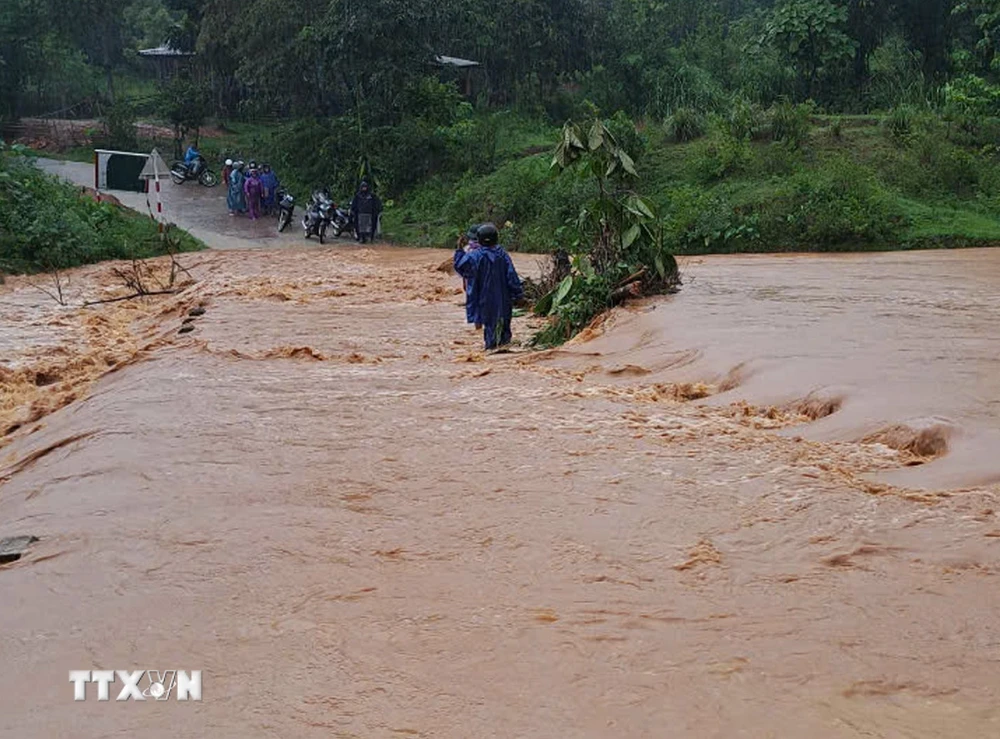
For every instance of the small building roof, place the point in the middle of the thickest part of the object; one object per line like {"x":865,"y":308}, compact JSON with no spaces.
{"x":452,"y":61}
{"x":165,"y":50}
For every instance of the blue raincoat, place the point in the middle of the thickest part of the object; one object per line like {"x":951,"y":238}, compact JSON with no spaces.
{"x":470,"y":313}
{"x":270,"y":182}
{"x":237,"y":199}
{"x":493,"y":286}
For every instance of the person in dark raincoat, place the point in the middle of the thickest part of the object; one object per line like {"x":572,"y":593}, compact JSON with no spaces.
{"x":270,"y":182}
{"x":365,"y":210}
{"x":255,"y":192}
{"x":236,"y":200}
{"x":494,"y":285}
{"x":469,"y":242}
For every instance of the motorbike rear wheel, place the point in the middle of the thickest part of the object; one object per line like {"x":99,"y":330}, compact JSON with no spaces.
{"x":178,"y":176}
{"x":322,"y":234}
{"x":208,"y":178}
{"x":284,"y":218}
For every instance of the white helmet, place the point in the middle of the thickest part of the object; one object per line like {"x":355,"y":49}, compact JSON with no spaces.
{"x":229,"y":162}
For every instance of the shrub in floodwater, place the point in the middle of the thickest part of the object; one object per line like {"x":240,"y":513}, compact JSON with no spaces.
{"x":590,"y":297}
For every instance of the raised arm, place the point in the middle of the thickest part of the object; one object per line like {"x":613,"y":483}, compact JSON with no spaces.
{"x":465,"y":263}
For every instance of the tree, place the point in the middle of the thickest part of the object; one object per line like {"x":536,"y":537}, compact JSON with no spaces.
{"x":622,"y":246}
{"x":985,"y":15}
{"x":100,"y":35}
{"x":186,"y":104}
{"x":812,"y":35}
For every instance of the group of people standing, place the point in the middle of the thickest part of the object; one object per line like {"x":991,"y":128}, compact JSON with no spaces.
{"x":492,"y":285}
{"x":251,"y":189}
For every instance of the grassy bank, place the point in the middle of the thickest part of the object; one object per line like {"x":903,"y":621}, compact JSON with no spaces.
{"x":843,"y":185}
{"x":749,"y":181}
{"x":47,"y":224}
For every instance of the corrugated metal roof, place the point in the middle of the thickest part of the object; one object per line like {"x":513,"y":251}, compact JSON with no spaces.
{"x":452,"y":61}
{"x":165,"y":50}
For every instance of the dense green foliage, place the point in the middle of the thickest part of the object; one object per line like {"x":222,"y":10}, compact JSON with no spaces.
{"x":267,"y":58}
{"x":46,"y":224}
{"x":762,"y":124}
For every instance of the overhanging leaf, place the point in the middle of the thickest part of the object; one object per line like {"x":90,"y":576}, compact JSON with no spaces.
{"x":596,"y":136}
{"x":544,"y":305}
{"x":627,"y":164}
{"x":561,"y":292}
{"x":630,"y":236}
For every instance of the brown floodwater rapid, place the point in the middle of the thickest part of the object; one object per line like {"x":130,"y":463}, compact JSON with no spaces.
{"x":766,"y":506}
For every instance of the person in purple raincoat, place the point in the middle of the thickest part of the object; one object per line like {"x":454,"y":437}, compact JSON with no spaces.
{"x":254,"y":190}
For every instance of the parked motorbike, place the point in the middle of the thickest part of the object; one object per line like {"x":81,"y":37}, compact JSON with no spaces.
{"x":286,"y":209}
{"x":181,"y":173}
{"x":318,"y":216}
{"x":341,"y":221}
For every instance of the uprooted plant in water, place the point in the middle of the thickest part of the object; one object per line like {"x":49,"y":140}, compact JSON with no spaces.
{"x":620,"y":250}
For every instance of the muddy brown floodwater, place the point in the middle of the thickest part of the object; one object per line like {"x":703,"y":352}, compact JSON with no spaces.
{"x":356,"y":525}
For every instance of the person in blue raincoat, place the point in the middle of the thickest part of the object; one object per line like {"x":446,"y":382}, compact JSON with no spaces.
{"x":493,"y":285}
{"x":236,"y":198}
{"x":470,"y":242}
{"x":192,"y":159}
{"x":271,"y":184}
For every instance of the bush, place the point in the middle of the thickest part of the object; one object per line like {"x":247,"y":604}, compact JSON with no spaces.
{"x":627,"y":135}
{"x":590,"y":298}
{"x":932,"y":166}
{"x":790,"y":123}
{"x":970,"y":99}
{"x":743,"y":120}
{"x":776,"y":160}
{"x":46,"y":224}
{"x":842,"y":206}
{"x":896,"y":74}
{"x":686,"y":124}
{"x":708,"y":222}
{"x":722,"y":156}
{"x":899,"y":123}
{"x":119,"y":125}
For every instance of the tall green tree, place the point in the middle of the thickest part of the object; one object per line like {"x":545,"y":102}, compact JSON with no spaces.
{"x":813,"y":34}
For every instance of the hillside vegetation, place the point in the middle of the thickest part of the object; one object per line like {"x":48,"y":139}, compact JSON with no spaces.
{"x":731,"y":125}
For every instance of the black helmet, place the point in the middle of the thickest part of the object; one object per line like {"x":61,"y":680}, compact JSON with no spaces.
{"x":488,"y":235}
{"x":473,"y":233}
